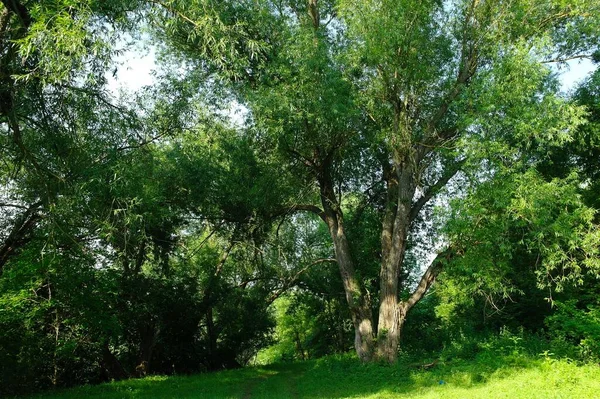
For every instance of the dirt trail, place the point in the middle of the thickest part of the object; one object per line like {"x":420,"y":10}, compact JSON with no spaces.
{"x":284,"y":382}
{"x":252,"y":385}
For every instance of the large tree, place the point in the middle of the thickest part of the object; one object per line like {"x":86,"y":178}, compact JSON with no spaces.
{"x":379,"y":104}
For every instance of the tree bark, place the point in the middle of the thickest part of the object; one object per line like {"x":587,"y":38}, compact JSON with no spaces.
{"x":149,"y":338}
{"x":360,"y":308}
{"x":358,"y":301}
{"x":313,"y":12}
{"x":401,"y":189}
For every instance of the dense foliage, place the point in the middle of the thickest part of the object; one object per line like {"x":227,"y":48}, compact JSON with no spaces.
{"x":407,"y":176}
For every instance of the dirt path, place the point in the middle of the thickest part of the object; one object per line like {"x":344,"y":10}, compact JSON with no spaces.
{"x":292,"y":384}
{"x":252,"y":385}
{"x":282,"y":384}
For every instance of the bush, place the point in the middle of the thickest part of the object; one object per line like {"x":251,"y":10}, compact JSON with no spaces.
{"x":575,"y":330}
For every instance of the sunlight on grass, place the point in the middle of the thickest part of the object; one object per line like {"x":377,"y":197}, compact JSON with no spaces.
{"x":340,"y":377}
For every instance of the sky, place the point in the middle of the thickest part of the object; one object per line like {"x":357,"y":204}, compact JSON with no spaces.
{"x":575,"y":72}
{"x":134,"y":70}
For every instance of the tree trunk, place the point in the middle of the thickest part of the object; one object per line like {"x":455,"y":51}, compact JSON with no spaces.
{"x":395,"y":225}
{"x":388,"y":328}
{"x":360,"y":308}
{"x":111,"y":365}
{"x":149,"y":337}
{"x":363,"y":334}
{"x":358,"y":302}
{"x":214,"y":363}
{"x":389,"y":324}
{"x":388,"y":336}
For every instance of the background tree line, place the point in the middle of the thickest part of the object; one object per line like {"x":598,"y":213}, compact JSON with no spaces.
{"x":147,"y":233}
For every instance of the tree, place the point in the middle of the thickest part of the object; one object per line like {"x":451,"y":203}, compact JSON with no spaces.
{"x":385,"y":102}
{"x":53,"y":59}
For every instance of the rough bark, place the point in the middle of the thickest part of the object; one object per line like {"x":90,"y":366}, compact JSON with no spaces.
{"x":358,"y":302}
{"x":401,"y":189}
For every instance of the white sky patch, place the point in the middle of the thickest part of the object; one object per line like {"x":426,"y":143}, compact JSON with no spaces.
{"x":134,"y":70}
{"x":237,"y":113}
{"x":574,"y":73}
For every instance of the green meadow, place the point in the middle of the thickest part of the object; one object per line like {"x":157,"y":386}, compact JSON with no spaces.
{"x":486,"y":377}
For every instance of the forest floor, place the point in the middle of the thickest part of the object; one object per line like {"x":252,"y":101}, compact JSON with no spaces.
{"x":488,"y":376}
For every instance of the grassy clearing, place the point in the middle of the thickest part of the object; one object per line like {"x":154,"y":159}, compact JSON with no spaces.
{"x":511,"y":377}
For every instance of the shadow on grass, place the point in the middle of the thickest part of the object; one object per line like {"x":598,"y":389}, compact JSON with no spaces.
{"x":226,"y":384}
{"x":332,"y":377}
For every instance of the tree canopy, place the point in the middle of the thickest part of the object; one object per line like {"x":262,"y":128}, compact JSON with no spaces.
{"x":384,"y":145}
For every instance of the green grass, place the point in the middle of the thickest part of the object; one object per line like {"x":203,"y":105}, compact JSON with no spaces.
{"x":488,"y":376}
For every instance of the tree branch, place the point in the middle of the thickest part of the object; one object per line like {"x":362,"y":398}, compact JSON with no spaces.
{"x":8,"y":205}
{"x":288,"y":284}
{"x":467,"y":69}
{"x":306,"y":161}
{"x":19,"y":233}
{"x":19,"y":10}
{"x":174,"y":11}
{"x":573,"y":57}
{"x":307,"y":208}
{"x":434,"y":189}
{"x":427,"y":280}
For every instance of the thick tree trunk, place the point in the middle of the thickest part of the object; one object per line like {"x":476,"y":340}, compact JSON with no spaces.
{"x":396,"y":221}
{"x":388,"y":337}
{"x":149,"y":337}
{"x":388,"y":332}
{"x":364,"y":339}
{"x":389,"y":325}
{"x":387,"y":349}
